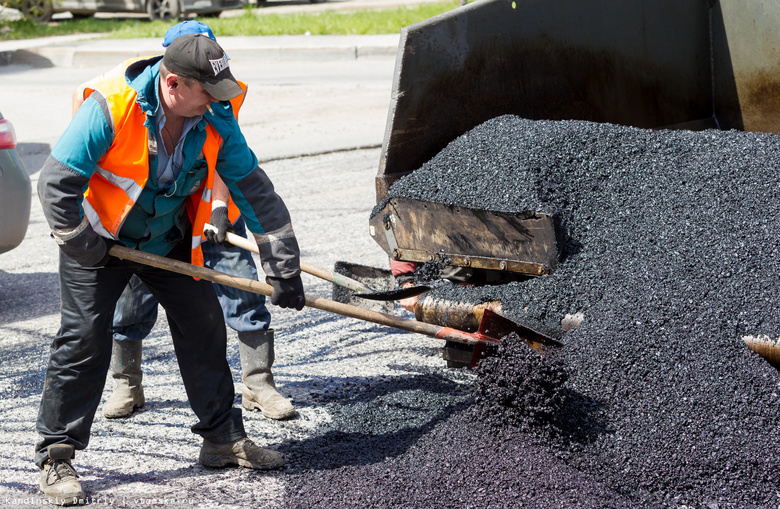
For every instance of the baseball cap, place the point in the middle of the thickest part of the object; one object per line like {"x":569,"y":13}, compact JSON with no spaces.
{"x":199,"y":57}
{"x":189,"y":26}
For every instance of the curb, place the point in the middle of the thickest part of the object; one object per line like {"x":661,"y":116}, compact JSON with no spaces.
{"x":71,"y":51}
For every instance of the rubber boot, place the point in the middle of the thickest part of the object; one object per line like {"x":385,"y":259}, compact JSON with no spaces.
{"x":256,"y":349}
{"x":126,"y":371}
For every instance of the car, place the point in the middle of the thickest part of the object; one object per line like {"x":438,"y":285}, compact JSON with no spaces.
{"x":15,"y":190}
{"x":166,"y":10}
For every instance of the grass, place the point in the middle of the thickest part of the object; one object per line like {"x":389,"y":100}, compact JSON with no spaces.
{"x":385,"y":21}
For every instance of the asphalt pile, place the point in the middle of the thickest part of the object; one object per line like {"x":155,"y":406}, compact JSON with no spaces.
{"x":520,"y":387}
{"x":669,"y":250}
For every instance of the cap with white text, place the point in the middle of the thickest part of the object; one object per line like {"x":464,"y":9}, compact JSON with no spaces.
{"x":200,"y":57}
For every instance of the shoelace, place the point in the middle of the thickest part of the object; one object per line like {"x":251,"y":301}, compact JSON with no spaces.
{"x":62,"y":469}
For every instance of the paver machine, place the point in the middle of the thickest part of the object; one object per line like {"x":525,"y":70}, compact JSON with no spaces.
{"x":672,"y":64}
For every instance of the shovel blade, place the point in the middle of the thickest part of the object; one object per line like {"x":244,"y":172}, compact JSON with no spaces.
{"x":495,"y":326}
{"x":403,"y":293}
{"x":370,"y":277}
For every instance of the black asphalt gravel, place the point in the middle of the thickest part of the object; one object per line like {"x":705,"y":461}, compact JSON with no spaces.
{"x":669,"y":249}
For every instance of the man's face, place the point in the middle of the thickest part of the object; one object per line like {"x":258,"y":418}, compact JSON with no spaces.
{"x":190,"y":101}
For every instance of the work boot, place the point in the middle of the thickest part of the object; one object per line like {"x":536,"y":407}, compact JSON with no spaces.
{"x":58,"y":478}
{"x":256,"y":349}
{"x":242,"y":452}
{"x":126,"y":370}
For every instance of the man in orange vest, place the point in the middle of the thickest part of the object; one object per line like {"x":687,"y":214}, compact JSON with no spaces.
{"x":245,"y":312}
{"x":136,"y":166}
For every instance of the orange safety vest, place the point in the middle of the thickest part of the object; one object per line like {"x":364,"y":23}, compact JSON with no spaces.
{"x":123,"y":171}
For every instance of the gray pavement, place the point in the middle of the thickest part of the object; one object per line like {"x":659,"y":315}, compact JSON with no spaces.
{"x":294,"y":108}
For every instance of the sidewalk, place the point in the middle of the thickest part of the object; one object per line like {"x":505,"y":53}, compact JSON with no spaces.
{"x":89,"y":50}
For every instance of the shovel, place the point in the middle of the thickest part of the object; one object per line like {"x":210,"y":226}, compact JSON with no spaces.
{"x":361,"y":289}
{"x":492,"y":327}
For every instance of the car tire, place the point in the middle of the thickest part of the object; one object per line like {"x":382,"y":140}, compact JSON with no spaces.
{"x":165,"y":10}
{"x":37,"y":10}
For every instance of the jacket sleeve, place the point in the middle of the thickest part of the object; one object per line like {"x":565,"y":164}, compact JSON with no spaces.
{"x":264,"y":211}
{"x":64,"y":178}
{"x":273,"y":231}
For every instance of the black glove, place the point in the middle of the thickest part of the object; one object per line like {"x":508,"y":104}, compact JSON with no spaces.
{"x":288,"y":293}
{"x":104,"y":261}
{"x":219,"y":219}
{"x":92,"y":252}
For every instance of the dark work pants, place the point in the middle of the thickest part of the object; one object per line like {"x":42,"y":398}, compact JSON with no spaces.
{"x":81,"y":351}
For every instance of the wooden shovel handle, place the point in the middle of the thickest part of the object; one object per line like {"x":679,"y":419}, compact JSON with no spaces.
{"x":331,"y":306}
{"x":327,"y":275}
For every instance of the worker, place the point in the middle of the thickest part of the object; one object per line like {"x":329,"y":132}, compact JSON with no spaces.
{"x":245,"y":312}
{"x":136,"y":167}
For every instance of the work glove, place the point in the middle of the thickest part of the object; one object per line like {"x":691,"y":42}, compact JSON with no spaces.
{"x":91,"y":253}
{"x":288,"y":293}
{"x":220,"y":220}
{"x":107,"y":257}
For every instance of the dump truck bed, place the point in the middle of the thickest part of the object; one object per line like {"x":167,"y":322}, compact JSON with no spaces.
{"x":643,"y":63}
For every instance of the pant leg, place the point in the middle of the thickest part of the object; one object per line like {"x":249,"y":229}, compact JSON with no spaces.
{"x":80,"y":353}
{"x":200,"y":341}
{"x":135,"y":313}
{"x":244,"y":311}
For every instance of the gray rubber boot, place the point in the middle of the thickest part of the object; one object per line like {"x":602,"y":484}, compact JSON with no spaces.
{"x":126,"y":371}
{"x":257,"y":356}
